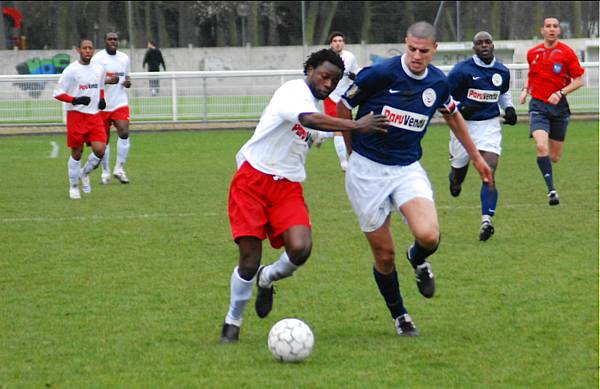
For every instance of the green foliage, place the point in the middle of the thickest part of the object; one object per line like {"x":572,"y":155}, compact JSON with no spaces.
{"x":128,"y":286}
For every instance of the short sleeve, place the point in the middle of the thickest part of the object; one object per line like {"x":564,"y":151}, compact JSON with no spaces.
{"x":293,"y":99}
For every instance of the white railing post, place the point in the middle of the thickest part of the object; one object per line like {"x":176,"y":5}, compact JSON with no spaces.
{"x":174,"y":97}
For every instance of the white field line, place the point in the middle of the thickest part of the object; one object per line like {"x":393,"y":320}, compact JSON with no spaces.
{"x":143,"y":216}
{"x":55,"y":149}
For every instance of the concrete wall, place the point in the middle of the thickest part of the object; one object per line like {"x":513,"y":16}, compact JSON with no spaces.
{"x":283,"y":57}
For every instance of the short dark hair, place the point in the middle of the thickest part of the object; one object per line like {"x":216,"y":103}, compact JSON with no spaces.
{"x":334,"y":34}
{"x":111,"y":32}
{"x":324,"y":55}
{"x":85,"y":39}
{"x":422,"y":30}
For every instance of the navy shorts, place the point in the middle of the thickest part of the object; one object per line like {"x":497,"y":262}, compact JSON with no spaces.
{"x":553,"y":119}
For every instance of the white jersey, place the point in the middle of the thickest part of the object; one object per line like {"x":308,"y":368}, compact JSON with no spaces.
{"x":114,"y":65}
{"x":81,"y":80}
{"x":351,"y":66}
{"x":279,"y":144}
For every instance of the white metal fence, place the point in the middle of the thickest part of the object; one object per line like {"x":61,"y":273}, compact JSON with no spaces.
{"x":207,"y":96}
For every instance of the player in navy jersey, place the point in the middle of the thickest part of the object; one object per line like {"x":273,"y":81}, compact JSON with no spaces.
{"x":481,"y":86}
{"x":384,"y":172}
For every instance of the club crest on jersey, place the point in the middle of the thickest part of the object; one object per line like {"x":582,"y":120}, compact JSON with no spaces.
{"x":406,"y":120}
{"x":497,"y":79}
{"x":483,"y":96}
{"x":429,"y":97}
{"x":352,"y":91}
{"x":557,"y":68}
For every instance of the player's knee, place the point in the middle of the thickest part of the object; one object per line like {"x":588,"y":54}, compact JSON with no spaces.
{"x":248,"y":266}
{"x":385,"y":256}
{"x":299,"y":253}
{"x":541,"y":149}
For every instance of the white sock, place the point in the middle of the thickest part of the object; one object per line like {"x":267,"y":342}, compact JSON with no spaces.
{"x":241,"y":292}
{"x":74,"y":169}
{"x":92,"y":163}
{"x":327,"y":134}
{"x":122,"y":151}
{"x":486,"y":218}
{"x":106,"y":160}
{"x":279,"y":269}
{"x":340,"y":148}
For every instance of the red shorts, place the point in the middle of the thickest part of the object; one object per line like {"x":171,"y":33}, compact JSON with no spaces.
{"x":330,"y":107}
{"x":84,"y":128}
{"x":108,"y":117}
{"x":261,"y":206}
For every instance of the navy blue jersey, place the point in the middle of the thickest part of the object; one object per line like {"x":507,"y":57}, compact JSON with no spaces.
{"x":473,"y":82}
{"x":409,"y":101}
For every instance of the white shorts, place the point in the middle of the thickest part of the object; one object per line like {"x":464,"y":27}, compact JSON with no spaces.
{"x":487,"y":136}
{"x":375,"y":190}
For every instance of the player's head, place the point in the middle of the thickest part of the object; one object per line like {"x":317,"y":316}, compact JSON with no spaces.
{"x":483,"y":46}
{"x":337,"y":41}
{"x":111,"y":42}
{"x":551,"y":29}
{"x":421,"y":46}
{"x":323,"y":69}
{"x":85,"y":48}
{"x":151,"y":44}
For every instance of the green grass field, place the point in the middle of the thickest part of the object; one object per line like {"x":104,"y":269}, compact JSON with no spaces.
{"x":128,"y":287}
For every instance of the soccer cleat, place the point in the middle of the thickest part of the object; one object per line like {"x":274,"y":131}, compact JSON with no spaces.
{"x":230,"y":333}
{"x":424,"y":277}
{"x":553,"y":198}
{"x":121,"y":176}
{"x":264,"y":297}
{"x":405,"y":326}
{"x":454,"y":187}
{"x":74,"y":193}
{"x":86,"y":186}
{"x":486,"y":231}
{"x":105,"y":178}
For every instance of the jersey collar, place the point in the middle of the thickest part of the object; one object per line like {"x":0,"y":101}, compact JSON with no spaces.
{"x":411,"y":74}
{"x":479,"y":62}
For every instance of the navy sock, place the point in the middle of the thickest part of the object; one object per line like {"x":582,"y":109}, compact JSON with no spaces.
{"x":418,"y":254}
{"x":489,"y":199}
{"x":545,"y":166}
{"x":389,"y":287}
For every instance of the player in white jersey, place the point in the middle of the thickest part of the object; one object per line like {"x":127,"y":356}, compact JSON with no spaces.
{"x":81,"y":88}
{"x":266,"y":197}
{"x":117,"y":66}
{"x":337,"y":44}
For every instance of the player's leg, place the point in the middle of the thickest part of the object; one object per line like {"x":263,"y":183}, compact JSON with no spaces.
{"x":74,"y":171}
{"x":421,"y":216}
{"x":459,"y":165}
{"x":93,"y":161}
{"x":241,"y":282}
{"x":489,"y":198}
{"x":289,"y":226}
{"x":386,"y":277}
{"x":340,"y":149}
{"x":121,"y":121}
{"x":540,"y":126}
{"x":105,"y":177}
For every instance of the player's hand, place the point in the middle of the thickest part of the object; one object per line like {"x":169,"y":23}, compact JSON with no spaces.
{"x":81,"y":100}
{"x":351,"y":76}
{"x":523,"y":97}
{"x":485,"y":172}
{"x":467,"y":111}
{"x":510,"y":116}
{"x":102,"y":104}
{"x":372,"y":122}
{"x":111,"y":80}
{"x":126,"y":84}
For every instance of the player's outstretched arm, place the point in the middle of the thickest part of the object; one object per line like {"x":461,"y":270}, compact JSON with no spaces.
{"x":459,"y":128}
{"x":344,"y":113}
{"x":367,"y":123}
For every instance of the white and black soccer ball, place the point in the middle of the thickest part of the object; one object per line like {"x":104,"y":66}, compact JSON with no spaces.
{"x":291,"y":340}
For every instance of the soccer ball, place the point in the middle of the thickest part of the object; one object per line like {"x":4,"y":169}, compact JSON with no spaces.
{"x":291,"y":340}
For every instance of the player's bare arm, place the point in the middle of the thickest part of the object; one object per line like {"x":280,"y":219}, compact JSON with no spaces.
{"x":459,"y":128}
{"x":367,"y":123}
{"x":575,"y":84}
{"x":344,"y":113}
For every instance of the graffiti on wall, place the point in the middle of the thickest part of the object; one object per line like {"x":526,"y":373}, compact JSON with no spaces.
{"x":54,"y":65}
